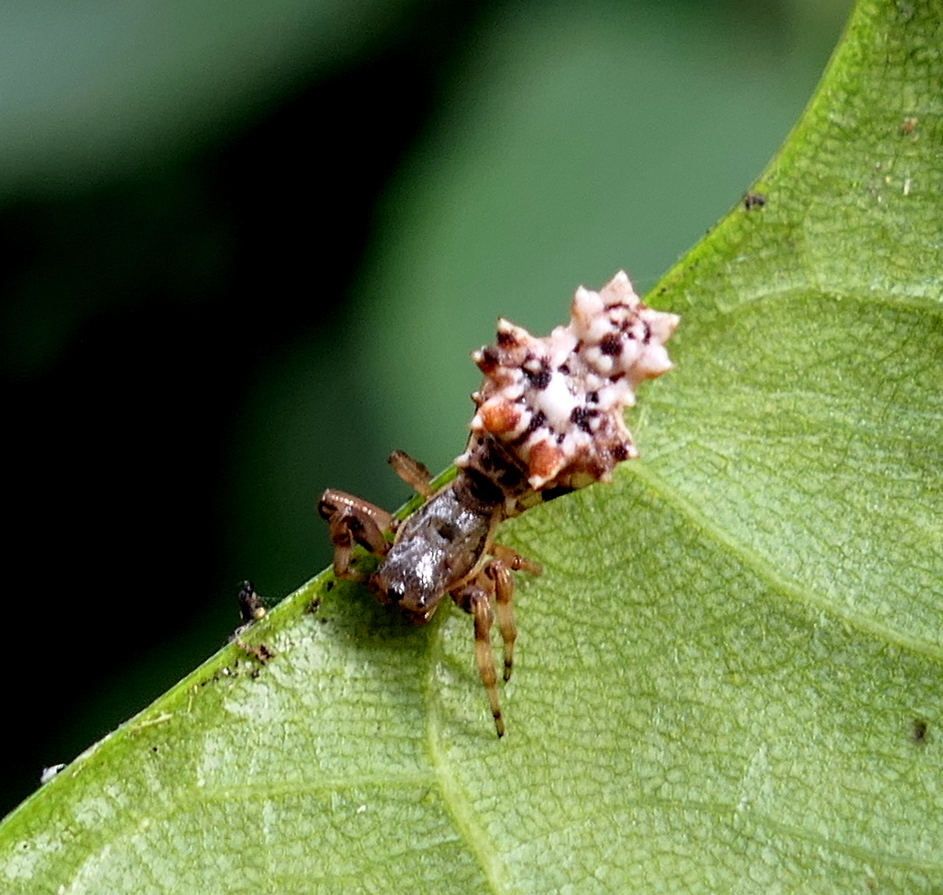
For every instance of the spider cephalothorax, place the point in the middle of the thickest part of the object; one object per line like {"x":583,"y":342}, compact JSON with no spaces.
{"x":550,"y":419}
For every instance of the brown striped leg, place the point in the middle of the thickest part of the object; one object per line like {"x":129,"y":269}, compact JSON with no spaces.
{"x":499,"y":571}
{"x":411,"y":471}
{"x":353,"y":521}
{"x":479,"y":604}
{"x":503,"y":584}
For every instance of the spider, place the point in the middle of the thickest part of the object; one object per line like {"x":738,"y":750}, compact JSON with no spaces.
{"x":549,"y":420}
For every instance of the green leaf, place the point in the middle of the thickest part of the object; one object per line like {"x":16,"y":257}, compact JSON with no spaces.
{"x":729,"y":674}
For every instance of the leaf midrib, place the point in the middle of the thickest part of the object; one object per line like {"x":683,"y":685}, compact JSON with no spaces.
{"x":464,"y":817}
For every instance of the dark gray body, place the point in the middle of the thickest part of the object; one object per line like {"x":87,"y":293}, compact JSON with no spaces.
{"x":437,"y":548}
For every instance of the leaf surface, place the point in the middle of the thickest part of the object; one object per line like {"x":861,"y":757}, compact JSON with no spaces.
{"x":729,"y":674}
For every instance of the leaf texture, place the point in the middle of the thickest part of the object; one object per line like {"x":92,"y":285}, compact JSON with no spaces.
{"x":730,"y":674}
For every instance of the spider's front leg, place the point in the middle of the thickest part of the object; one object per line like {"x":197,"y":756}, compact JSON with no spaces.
{"x":354,"y":521}
{"x":411,"y":471}
{"x":494,"y":585}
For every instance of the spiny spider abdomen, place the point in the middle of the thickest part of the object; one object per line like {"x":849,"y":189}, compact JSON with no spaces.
{"x":549,"y":419}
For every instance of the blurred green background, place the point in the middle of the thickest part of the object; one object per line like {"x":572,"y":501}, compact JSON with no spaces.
{"x":248,"y":247}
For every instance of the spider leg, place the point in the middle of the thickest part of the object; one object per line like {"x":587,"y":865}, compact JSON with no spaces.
{"x":479,"y":605}
{"x":353,"y":521}
{"x":411,"y":471}
{"x":514,"y":561}
{"x":500,"y":579}
{"x":499,"y":572}
{"x":489,"y":596}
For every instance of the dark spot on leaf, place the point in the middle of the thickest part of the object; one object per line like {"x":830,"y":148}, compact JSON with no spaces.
{"x":753,"y":200}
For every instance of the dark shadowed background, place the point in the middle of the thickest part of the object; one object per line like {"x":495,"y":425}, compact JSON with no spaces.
{"x":247,"y":248}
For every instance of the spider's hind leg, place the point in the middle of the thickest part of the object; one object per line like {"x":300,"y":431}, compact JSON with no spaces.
{"x":499,"y":571}
{"x":489,"y":597}
{"x":476,"y":599}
